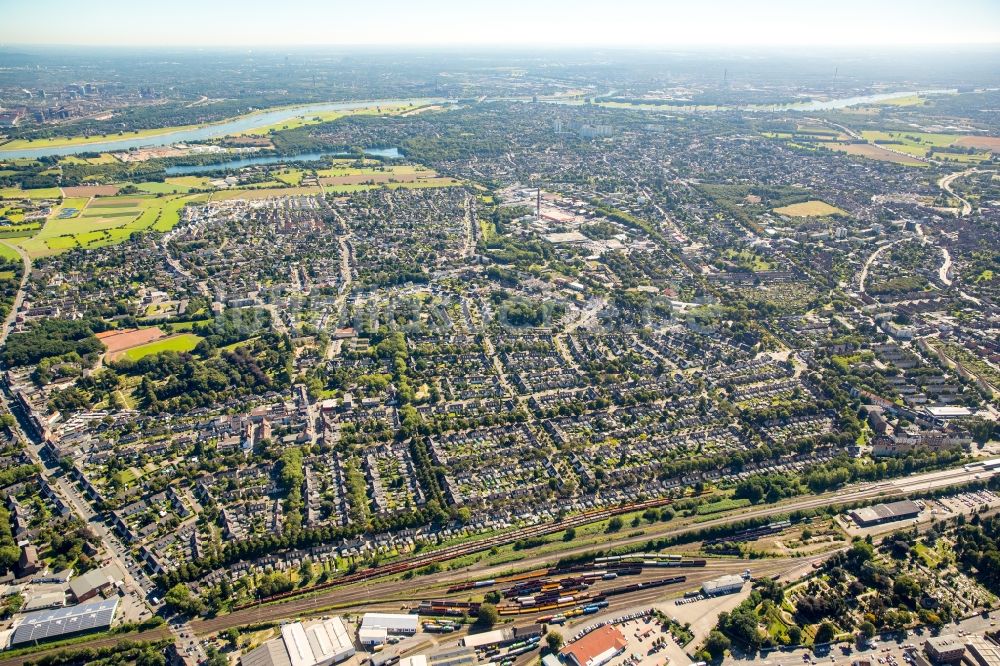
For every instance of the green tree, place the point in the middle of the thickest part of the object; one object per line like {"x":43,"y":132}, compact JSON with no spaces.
{"x":716,"y":644}
{"x":867,"y":630}
{"x":554,"y":640}
{"x":825,"y":633}
{"x":487,"y":616}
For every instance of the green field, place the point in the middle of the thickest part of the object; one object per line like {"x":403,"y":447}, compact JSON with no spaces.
{"x":42,"y":193}
{"x":9,"y":253}
{"x":290,"y":176}
{"x":106,"y":221}
{"x":181,"y":342}
{"x":810,"y":209}
{"x":922,"y":144}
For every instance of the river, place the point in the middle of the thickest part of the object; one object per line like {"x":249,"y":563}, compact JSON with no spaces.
{"x":392,"y":153}
{"x":234,"y":126}
{"x":844,"y":102}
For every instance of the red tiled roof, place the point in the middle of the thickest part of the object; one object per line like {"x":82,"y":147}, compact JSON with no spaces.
{"x":595,"y":643}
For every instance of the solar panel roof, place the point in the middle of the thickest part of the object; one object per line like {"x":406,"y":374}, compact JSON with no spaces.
{"x":41,"y":625}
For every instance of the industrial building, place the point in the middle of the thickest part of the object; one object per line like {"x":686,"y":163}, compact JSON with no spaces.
{"x":376,"y":627}
{"x":47,"y":625}
{"x":982,"y":651}
{"x":944,"y":649}
{"x":95,"y":582}
{"x":320,"y":644}
{"x":596,"y":648}
{"x":487,"y":638}
{"x":722,"y":585}
{"x":870,"y":516}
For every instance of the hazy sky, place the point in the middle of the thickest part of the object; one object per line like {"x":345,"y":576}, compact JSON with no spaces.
{"x":663,"y":23}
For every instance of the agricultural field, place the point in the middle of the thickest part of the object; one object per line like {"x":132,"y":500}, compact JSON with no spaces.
{"x":175,"y":185}
{"x":8,"y":253}
{"x":813,"y":208}
{"x":80,"y":222}
{"x":874,"y":152}
{"x":926,"y":144}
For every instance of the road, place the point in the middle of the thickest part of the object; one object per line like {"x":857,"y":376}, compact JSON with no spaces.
{"x":945,"y":184}
{"x":945,"y":267}
{"x":868,"y":263}
{"x":19,"y":297}
{"x":881,"y":646}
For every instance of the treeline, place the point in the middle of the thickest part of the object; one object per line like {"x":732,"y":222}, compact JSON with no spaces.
{"x":977,"y":550}
{"x":55,"y":337}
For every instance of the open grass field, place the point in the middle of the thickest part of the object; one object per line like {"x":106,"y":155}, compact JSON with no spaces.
{"x":909,"y":100}
{"x":176,"y":185}
{"x":79,"y":140}
{"x":810,"y":209}
{"x":182,"y":342}
{"x":325,"y":117}
{"x":874,"y":152}
{"x":290,"y":176}
{"x":18,"y":193}
{"x":103,"y":158}
{"x":8,"y":253}
{"x":263,"y":193}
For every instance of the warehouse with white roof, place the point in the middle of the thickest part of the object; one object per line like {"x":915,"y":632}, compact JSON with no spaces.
{"x":376,"y":627}
{"x":319,"y":644}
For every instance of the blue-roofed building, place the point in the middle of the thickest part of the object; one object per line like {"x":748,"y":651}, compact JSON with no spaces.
{"x":62,"y":622}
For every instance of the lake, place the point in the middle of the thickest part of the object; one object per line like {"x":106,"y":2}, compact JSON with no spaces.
{"x":234,"y":126}
{"x":392,"y":153}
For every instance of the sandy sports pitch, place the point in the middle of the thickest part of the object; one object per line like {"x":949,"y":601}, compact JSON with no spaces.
{"x":120,"y":341}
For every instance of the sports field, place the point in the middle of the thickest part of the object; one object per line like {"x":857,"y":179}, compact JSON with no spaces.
{"x":810,"y":209}
{"x":182,"y":342}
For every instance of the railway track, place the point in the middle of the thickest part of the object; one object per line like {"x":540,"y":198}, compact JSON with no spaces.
{"x":453,"y":552}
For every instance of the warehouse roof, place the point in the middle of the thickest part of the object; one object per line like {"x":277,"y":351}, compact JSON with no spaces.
{"x":885,"y":512}
{"x":597,"y":647}
{"x":730,"y":581}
